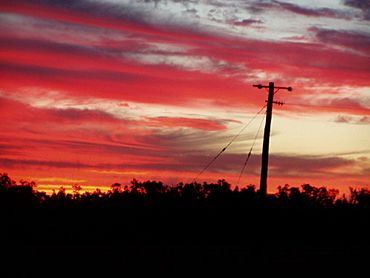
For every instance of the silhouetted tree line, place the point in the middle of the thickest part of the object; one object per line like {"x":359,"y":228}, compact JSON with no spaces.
{"x":220,"y":193}
{"x":152,"y":226}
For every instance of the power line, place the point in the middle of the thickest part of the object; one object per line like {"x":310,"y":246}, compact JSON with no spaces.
{"x":231,"y":141}
{"x":250,"y":151}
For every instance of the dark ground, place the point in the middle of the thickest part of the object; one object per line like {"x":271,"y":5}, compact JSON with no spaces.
{"x":229,"y":234}
{"x":180,"y":241}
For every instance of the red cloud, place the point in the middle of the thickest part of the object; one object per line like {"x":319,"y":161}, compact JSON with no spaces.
{"x":203,"y":124}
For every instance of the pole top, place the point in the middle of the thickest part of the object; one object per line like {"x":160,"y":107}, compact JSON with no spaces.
{"x":259,"y":86}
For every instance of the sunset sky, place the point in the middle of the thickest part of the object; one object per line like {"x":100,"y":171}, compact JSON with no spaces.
{"x":94,"y":92}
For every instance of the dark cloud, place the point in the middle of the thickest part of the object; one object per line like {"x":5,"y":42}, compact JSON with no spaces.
{"x":59,"y":48}
{"x":42,"y":45}
{"x":351,"y":40}
{"x":247,"y":22}
{"x":26,"y":163}
{"x":261,"y":6}
{"x":177,"y":150}
{"x":344,"y":66}
{"x":192,"y":11}
{"x":281,"y":166}
{"x":348,"y":103}
{"x":363,"y":5}
{"x":365,"y":120}
{"x":96,"y":9}
{"x":192,"y":140}
{"x":26,"y":113}
{"x":120,"y":15}
{"x":54,"y":72}
{"x":73,"y":116}
{"x":82,"y":115}
{"x":186,"y":3}
{"x":22,"y":163}
{"x":306,"y":166}
{"x":343,"y":119}
{"x":113,"y":147}
{"x":10,"y":149}
{"x":77,"y":147}
{"x":195,"y":123}
{"x":318,"y":12}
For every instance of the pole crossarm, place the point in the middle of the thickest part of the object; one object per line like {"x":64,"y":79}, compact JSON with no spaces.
{"x":266,"y":138}
{"x":259,"y":86}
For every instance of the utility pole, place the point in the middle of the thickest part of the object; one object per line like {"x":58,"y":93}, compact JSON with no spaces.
{"x":266,"y":137}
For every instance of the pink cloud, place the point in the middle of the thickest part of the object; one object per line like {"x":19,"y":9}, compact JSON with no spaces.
{"x":203,"y":124}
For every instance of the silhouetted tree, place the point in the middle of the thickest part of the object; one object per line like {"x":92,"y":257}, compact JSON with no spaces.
{"x":319,"y":195}
{"x":76,"y":188}
{"x":5,"y":181}
{"x":150,"y":223}
{"x":360,"y":197}
{"x":116,"y":187}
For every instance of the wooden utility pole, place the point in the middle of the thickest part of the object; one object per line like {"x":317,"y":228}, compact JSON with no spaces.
{"x":266,"y":136}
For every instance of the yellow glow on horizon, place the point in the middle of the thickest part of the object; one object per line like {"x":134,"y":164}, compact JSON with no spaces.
{"x":319,"y":135}
{"x":58,"y":179}
{"x":50,"y":188}
{"x":115,"y":172}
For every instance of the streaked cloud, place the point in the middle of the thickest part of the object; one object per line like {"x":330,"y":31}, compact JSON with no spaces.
{"x":365,"y":120}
